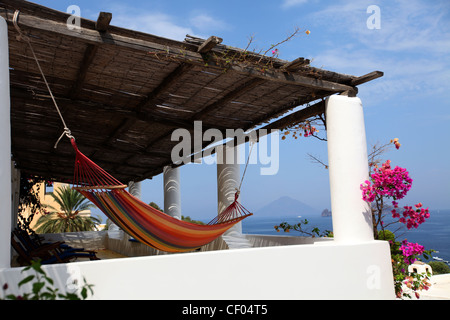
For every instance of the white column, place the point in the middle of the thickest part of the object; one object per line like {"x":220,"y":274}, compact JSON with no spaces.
{"x":172,"y":193}
{"x":348,"y":168}
{"x":228,"y":179}
{"x":5,"y":150}
{"x":135,"y":189}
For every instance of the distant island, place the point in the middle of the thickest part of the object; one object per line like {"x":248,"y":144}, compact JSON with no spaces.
{"x":326,"y":213}
{"x":287,"y":206}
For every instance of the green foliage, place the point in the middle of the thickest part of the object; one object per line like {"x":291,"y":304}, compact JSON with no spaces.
{"x":66,"y":218}
{"x":439,"y":267}
{"x":29,"y":199}
{"x":386,"y":235}
{"x":42,"y":287}
{"x":154,"y":205}
{"x":314,"y":232}
{"x":188,"y":219}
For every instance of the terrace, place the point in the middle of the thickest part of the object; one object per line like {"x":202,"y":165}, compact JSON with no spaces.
{"x":123,"y":93}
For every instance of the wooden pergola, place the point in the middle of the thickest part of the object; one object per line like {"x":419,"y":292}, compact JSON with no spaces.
{"x":123,"y":92}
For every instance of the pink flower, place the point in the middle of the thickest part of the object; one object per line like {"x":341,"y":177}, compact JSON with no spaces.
{"x":388,"y":182}
{"x":410,"y":249}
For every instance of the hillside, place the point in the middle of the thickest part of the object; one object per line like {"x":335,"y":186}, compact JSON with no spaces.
{"x":286,"y":206}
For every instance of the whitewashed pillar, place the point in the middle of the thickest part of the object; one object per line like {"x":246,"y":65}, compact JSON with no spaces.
{"x":172,"y":192}
{"x":348,"y":168}
{"x":135,"y":189}
{"x":228,"y":179}
{"x":5,"y":150}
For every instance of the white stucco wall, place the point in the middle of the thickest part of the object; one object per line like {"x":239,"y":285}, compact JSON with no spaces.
{"x":315,"y":271}
{"x":5,"y":146}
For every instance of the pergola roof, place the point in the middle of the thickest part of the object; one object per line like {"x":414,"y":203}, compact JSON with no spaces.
{"x":122,"y":92}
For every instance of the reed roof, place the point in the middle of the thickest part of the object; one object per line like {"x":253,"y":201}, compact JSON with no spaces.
{"x":123,"y":92}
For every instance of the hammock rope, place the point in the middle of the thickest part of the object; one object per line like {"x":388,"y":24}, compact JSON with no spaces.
{"x":67,"y":131}
{"x":143,"y":222}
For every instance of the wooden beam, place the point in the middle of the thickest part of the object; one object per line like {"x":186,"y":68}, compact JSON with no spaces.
{"x":103,"y":21}
{"x":295,"y":65}
{"x":93,"y":107}
{"x":177,"y":53}
{"x":284,"y":109}
{"x":101,"y":25}
{"x":151,"y":99}
{"x":209,"y":44}
{"x":298,"y":116}
{"x":367,"y":77}
{"x":240,"y":90}
{"x":89,"y":54}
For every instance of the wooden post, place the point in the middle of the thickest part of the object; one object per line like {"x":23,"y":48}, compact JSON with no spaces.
{"x":103,"y":21}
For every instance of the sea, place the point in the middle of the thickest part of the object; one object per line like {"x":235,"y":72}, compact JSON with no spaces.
{"x":434,"y":233}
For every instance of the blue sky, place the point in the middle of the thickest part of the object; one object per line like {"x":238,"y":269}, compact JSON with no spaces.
{"x":411,"y":101}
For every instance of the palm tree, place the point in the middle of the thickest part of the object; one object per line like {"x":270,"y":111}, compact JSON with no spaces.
{"x":66,"y":218}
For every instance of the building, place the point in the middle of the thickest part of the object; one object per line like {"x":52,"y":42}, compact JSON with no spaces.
{"x":44,"y":191}
{"x":125,"y":124}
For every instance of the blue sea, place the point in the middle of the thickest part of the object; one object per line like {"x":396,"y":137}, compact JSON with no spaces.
{"x":433,"y":234}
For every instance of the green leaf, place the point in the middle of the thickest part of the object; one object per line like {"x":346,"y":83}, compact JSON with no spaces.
{"x":48,"y":296}
{"x":71,"y":296}
{"x":84,"y":293}
{"x":49,"y":280}
{"x":37,"y":286}
{"x":26,"y":280}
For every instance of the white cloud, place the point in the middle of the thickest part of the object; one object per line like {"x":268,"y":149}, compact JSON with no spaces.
{"x":159,"y":24}
{"x":194,"y":23}
{"x":404,"y":75}
{"x":292,"y":3}
{"x":206,"y":23}
{"x":405,"y":25}
{"x":411,"y":47}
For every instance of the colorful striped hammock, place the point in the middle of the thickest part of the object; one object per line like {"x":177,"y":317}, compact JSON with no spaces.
{"x":143,"y":222}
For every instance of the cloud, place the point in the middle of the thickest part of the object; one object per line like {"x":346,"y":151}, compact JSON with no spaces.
{"x":411,"y":47}
{"x":206,"y":23}
{"x":159,"y":24}
{"x":405,"y":25}
{"x":407,"y":76}
{"x":195,"y":23}
{"x":292,"y":3}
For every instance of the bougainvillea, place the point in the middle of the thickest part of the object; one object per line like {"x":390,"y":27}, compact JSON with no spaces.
{"x":394,"y":183}
{"x":387,"y":182}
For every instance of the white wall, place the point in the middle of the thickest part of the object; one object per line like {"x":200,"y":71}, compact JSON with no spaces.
{"x":316,"y":271}
{"x":5,"y":150}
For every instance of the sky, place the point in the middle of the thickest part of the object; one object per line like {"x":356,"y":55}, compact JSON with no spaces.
{"x":408,"y":40}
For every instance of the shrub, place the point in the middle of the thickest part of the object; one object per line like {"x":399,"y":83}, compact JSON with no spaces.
{"x":386,"y":235}
{"x":439,"y":267}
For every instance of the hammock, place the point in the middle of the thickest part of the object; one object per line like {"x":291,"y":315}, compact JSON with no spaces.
{"x":145,"y":223}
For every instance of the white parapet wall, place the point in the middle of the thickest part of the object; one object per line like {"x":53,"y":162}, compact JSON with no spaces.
{"x":312,"y":271}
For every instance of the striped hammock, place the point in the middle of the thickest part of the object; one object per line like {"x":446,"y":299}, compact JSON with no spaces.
{"x":143,"y":222}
